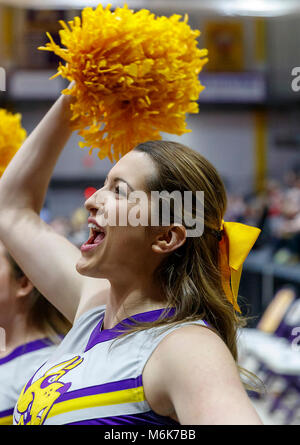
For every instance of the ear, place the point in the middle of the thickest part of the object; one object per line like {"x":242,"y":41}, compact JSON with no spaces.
{"x":170,"y":239}
{"x":24,"y":287}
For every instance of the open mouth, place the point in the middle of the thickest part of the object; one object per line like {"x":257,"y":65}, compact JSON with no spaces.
{"x":97,"y":235}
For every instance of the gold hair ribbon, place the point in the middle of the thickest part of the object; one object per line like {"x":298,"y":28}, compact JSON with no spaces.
{"x":237,"y":241}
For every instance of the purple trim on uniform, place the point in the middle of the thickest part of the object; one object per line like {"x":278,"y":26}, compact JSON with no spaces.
{"x":139,"y":381}
{"x":101,"y":389}
{"x":149,"y":418}
{"x":99,"y":336}
{"x":206,"y":324}
{"x":25,"y":349}
{"x":7,"y":412}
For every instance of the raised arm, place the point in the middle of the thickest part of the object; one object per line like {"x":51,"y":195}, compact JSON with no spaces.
{"x":47,"y":258}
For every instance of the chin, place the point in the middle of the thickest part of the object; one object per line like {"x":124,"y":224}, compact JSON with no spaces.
{"x":80,"y":268}
{"x":83,"y":267}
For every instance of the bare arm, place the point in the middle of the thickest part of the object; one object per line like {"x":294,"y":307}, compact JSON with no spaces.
{"x":195,"y":377}
{"x":47,"y":258}
{"x":25,"y":182}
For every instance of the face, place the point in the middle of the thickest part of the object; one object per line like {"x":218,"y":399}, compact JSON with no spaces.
{"x":119,"y":251}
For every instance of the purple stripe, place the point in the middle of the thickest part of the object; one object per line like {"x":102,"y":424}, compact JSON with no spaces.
{"x":149,"y":316}
{"x":99,"y":336}
{"x":100,"y":389}
{"x":25,"y":349}
{"x":139,"y":380}
{"x":149,"y":418}
{"x":8,"y":412}
{"x":207,"y":324}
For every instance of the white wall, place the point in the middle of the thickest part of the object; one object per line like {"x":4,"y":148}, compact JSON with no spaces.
{"x":281,"y":158}
{"x":283,"y":43}
{"x":225,"y":139}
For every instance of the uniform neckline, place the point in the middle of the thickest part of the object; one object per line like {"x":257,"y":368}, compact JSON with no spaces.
{"x":24,"y":349}
{"x":99,"y":336}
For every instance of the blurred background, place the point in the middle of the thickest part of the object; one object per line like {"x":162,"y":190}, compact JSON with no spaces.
{"x":248,"y":127}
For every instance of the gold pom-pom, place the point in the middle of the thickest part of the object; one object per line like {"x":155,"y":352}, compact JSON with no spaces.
{"x":12,"y":136}
{"x":135,"y":74}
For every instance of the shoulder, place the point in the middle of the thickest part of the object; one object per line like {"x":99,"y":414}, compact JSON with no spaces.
{"x":193,"y":375}
{"x":191,"y":345}
{"x":189,"y":354}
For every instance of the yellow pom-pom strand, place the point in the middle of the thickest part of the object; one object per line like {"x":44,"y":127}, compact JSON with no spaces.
{"x":135,"y":74}
{"x":12,"y":135}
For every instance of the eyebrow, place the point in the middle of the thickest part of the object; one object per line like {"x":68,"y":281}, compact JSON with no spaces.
{"x":120,"y":179}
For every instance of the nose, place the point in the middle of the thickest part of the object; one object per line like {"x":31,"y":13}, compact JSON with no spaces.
{"x":90,"y":203}
{"x":94,"y":202}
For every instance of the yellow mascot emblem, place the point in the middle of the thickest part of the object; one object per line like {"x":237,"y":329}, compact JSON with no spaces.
{"x":37,"y":399}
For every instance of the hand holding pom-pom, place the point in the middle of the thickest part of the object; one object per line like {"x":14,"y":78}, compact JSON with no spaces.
{"x":135,"y":74}
{"x":12,"y":135}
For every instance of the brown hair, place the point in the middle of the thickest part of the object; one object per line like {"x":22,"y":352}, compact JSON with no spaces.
{"x":42,"y":315}
{"x":190,"y":277}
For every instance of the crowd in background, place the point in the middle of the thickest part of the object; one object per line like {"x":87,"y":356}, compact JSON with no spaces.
{"x":276,"y":212}
{"x":75,"y":228}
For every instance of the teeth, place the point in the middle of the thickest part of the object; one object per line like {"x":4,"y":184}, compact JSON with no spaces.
{"x":93,"y":226}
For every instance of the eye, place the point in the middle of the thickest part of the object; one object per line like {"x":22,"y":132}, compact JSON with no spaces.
{"x":52,"y":378}
{"x":121,"y":190}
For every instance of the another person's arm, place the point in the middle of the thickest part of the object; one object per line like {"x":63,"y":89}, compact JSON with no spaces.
{"x":47,"y":258}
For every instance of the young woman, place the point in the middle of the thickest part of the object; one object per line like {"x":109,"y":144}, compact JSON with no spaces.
{"x":109,"y":369}
{"x":31,"y":328}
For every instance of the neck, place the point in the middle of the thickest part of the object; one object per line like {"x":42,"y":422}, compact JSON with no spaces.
{"x":17,"y":333}
{"x":127,"y":299}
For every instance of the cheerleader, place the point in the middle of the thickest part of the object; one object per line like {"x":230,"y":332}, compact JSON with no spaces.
{"x":154,"y":311}
{"x":31,"y":328}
